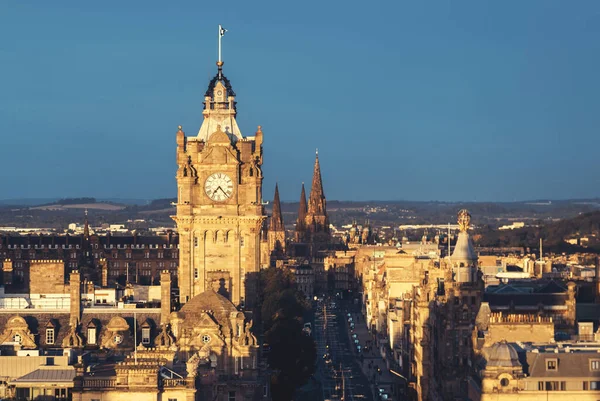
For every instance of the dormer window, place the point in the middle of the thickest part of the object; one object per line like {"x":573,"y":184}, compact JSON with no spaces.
{"x":552,"y":365}
{"x":17,"y":338}
{"x":91,"y":334}
{"x":50,"y":336}
{"x":145,"y":335}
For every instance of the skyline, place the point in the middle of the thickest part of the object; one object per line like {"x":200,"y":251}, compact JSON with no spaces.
{"x":472,"y":94}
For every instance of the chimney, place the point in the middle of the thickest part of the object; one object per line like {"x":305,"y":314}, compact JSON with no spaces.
{"x":75,"y":288}
{"x":104,"y":272}
{"x":165,"y":297}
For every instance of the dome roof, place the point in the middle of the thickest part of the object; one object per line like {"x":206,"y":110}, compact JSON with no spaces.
{"x":209,"y":301}
{"x":503,"y":355}
{"x":464,"y":248}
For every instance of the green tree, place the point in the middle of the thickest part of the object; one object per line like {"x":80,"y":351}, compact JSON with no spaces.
{"x":293,"y":354}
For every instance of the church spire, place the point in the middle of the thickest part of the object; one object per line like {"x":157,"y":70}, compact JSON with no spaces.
{"x":86,"y":226}
{"x":300,"y":223}
{"x":316,"y":202}
{"x":276,"y":223}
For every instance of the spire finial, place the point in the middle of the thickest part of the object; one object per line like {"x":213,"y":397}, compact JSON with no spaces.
{"x":179,"y":127}
{"x":317,"y":152}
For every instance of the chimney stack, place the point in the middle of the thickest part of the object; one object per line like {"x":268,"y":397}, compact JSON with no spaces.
{"x":165,"y":297}
{"x":75,"y":288}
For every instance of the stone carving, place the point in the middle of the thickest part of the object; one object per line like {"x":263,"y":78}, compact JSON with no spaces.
{"x":464,"y":220}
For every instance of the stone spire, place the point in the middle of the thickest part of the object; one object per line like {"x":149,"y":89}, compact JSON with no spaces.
{"x":302,"y":209}
{"x":86,"y":227}
{"x":316,"y":202}
{"x":276,"y":223}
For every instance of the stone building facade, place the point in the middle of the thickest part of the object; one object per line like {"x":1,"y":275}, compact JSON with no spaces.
{"x":220,"y":214}
{"x":103,"y":259}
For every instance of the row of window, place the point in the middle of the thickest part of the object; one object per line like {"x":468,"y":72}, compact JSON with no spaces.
{"x":91,"y":336}
{"x":552,"y":364}
{"x":95,"y":246}
{"x":562,"y":385}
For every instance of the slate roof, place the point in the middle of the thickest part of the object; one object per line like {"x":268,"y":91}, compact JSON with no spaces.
{"x":571,"y":364}
{"x":48,"y":374}
{"x":38,"y":322}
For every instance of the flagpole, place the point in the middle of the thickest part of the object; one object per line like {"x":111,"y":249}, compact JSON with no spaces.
{"x":219,"y":33}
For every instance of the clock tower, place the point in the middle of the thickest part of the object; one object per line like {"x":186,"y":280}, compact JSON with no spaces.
{"x":219,"y":201}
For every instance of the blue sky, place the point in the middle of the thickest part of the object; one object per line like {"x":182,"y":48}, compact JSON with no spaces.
{"x":444,"y":100}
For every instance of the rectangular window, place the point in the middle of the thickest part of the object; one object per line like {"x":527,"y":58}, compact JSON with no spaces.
{"x":594,"y":385}
{"x":231,"y":396}
{"x":551,"y":364}
{"x":586,"y":385}
{"x":563,"y":386}
{"x":172,"y":399}
{"x":146,"y":335}
{"x":236,"y":366}
{"x":265,"y":391}
{"x":50,"y":336}
{"x":552,"y":386}
{"x":595,"y":364}
{"x":91,"y":335}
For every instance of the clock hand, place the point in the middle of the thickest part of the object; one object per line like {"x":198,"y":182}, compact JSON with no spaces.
{"x":224,"y":193}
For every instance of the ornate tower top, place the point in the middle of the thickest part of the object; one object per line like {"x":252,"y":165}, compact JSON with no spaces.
{"x":219,"y":104}
{"x":464,"y":220}
{"x":276,"y":223}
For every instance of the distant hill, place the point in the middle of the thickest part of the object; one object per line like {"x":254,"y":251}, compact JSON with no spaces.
{"x":553,"y":234}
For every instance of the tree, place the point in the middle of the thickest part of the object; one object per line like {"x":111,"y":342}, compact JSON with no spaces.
{"x":293,"y":357}
{"x":293,"y":354}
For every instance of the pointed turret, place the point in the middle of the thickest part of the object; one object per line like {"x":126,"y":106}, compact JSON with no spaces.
{"x":276,"y":233}
{"x":301,"y":221}
{"x":316,"y":203}
{"x":86,"y":227}
{"x":302,"y":210}
{"x":316,"y":217}
{"x":276,"y":223}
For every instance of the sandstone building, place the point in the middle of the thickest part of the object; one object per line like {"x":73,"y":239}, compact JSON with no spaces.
{"x":219,"y":201}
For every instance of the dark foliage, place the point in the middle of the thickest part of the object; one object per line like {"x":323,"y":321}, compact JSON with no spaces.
{"x":293,"y":354}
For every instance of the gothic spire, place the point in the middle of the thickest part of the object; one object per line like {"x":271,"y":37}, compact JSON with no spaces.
{"x":302,"y":209}
{"x":86,"y":227}
{"x":276,"y":223}
{"x":316,"y":202}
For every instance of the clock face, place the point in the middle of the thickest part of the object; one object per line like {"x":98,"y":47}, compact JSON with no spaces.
{"x":219,"y":187}
{"x":118,"y":339}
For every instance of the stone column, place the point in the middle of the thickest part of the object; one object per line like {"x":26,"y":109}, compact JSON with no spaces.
{"x":75,"y":288}
{"x":165,"y":297}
